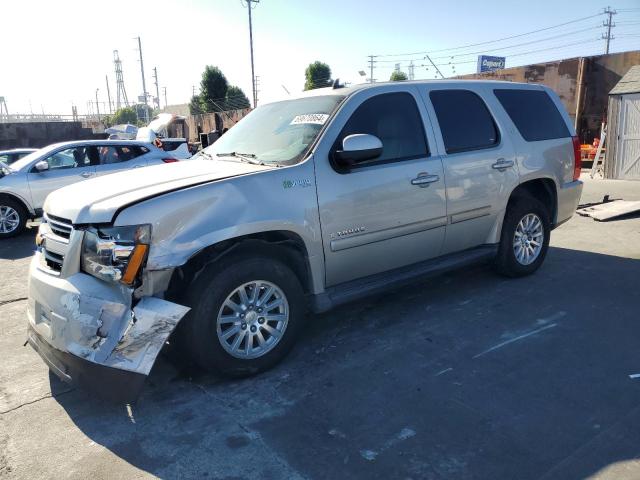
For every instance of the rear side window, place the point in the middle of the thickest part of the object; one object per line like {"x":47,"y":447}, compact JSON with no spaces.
{"x":465,"y":121}
{"x":534,"y":114}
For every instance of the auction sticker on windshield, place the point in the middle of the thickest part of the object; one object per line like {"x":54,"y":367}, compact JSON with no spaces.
{"x":315,"y":118}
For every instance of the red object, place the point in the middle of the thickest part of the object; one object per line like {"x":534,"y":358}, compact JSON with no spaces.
{"x":169,"y":160}
{"x":577,"y":160}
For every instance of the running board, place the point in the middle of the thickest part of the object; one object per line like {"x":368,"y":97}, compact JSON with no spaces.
{"x":363,"y":287}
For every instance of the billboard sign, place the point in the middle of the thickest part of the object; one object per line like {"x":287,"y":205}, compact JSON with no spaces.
{"x":488,"y":63}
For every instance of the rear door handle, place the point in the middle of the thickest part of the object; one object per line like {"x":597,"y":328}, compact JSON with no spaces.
{"x":86,"y":174}
{"x":502,"y":164}
{"x":424,"y":180}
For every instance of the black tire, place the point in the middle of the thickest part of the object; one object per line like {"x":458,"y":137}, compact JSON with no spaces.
{"x":22,"y":214}
{"x":206,"y":295}
{"x":506,"y":262}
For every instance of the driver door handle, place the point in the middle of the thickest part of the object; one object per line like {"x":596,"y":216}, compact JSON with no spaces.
{"x":502,"y":164}
{"x":86,"y":174}
{"x":424,"y":180}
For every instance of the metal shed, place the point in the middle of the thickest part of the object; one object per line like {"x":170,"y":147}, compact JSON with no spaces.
{"x":623,"y":131}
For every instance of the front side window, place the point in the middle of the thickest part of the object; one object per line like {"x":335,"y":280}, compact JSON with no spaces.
{"x":534,"y":114}
{"x":465,"y":121}
{"x":275,"y":133}
{"x":393,"y":118}
{"x":70,"y":158}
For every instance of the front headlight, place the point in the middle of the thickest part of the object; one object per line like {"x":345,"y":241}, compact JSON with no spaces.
{"x":115,"y":254}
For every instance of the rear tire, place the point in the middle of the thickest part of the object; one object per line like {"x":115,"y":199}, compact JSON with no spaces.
{"x":525,"y":237}
{"x":13,"y":217}
{"x":252,"y":336}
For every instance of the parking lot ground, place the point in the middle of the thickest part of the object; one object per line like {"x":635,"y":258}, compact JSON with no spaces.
{"x":467,"y":375}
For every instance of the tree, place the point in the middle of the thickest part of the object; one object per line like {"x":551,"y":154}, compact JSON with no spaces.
{"x":398,"y":76}
{"x":195,"y":105}
{"x":121,"y":116}
{"x":317,"y":75}
{"x":213,"y":88}
{"x":236,"y":99}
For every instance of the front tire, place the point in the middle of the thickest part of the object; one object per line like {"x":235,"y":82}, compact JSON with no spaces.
{"x":246,"y":314}
{"x":525,"y":237}
{"x":13,"y":218}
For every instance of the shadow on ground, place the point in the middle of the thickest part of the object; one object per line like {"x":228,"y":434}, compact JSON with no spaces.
{"x":19,"y":247}
{"x":467,"y":375}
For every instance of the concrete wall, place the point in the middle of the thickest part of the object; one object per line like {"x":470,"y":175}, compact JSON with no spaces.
{"x":601,"y":73}
{"x":41,"y":134}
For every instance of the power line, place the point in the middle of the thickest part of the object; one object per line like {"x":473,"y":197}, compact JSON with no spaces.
{"x":554,"y":37}
{"x":493,"y":41}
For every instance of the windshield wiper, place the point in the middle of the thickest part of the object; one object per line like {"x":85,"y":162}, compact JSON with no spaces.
{"x":204,"y":154}
{"x":245,"y":157}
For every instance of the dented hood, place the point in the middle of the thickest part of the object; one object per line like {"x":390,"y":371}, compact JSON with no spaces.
{"x":97,"y":200}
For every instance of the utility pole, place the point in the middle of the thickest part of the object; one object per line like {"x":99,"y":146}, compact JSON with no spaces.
{"x":193,"y":90}
{"x":607,"y":38}
{"x":434,"y":66}
{"x":411,"y":70}
{"x":97,"y":105}
{"x":144,"y":83}
{"x":155,"y":80}
{"x":253,"y":75}
{"x":164,"y":89}
{"x":106,"y":77}
{"x":257,"y":77}
{"x":371,"y":62}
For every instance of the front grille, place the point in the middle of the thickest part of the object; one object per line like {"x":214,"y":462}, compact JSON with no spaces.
{"x":53,"y":260}
{"x":56,"y":236}
{"x":60,"y":226}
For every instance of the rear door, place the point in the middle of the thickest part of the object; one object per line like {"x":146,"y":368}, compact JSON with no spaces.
{"x":114,"y":158}
{"x":66,"y":166}
{"x":379,"y":215}
{"x":479,"y":164}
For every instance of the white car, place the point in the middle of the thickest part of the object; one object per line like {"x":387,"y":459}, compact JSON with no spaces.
{"x":25,"y":184}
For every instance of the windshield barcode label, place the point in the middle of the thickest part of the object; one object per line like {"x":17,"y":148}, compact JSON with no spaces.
{"x":315,"y":118}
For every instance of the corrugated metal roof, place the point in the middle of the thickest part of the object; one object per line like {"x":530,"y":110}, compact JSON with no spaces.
{"x":630,"y":83}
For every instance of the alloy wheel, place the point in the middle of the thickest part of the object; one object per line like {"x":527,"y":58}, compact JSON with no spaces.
{"x":252,"y":319}
{"x":9,"y":219}
{"x":528,"y":239}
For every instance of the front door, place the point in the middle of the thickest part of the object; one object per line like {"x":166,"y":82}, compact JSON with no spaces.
{"x":66,"y":166}
{"x":388,"y":212}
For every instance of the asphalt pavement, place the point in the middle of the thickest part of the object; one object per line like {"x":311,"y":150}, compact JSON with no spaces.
{"x":466,"y":375}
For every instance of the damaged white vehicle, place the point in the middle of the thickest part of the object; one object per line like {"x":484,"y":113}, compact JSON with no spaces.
{"x":306,"y":203}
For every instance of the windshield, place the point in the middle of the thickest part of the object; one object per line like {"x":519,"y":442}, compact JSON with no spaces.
{"x":278,"y":132}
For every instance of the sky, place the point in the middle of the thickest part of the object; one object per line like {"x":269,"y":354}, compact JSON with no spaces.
{"x":56,"y":54}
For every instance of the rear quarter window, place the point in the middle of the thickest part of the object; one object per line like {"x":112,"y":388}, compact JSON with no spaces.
{"x":534,"y":114}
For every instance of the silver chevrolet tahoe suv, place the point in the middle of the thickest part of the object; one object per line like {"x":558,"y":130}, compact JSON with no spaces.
{"x":306,"y":203}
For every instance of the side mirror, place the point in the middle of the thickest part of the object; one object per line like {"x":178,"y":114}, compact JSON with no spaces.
{"x":42,"y":166}
{"x":358,"y":148}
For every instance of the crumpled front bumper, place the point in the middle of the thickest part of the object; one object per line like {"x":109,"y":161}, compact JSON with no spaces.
{"x":90,"y":335}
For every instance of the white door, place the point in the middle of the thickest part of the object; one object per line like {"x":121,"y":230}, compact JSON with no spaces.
{"x":628,"y":164}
